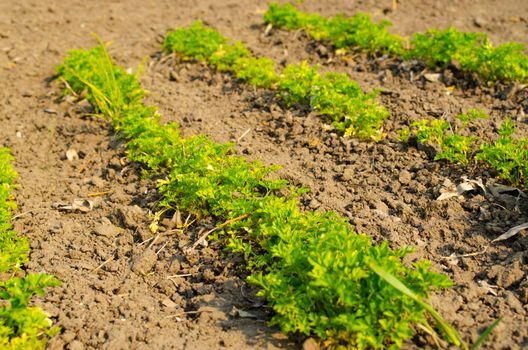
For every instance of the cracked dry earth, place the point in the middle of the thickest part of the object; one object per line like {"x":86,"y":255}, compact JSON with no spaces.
{"x":123,"y":290}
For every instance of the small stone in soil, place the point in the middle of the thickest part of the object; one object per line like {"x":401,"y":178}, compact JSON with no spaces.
{"x":76,"y":345}
{"x":97,"y":182}
{"x":106,"y":230}
{"x":348,"y":174}
{"x":71,"y":155}
{"x":143,"y":263}
{"x":310,"y":344}
{"x":50,"y":111}
{"x":55,"y":227}
{"x":405,"y":177}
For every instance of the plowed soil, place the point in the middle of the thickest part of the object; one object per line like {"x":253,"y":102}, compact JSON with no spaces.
{"x":122,"y":289}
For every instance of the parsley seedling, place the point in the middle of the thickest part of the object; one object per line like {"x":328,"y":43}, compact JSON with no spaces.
{"x":450,"y":144}
{"x":508,"y":156}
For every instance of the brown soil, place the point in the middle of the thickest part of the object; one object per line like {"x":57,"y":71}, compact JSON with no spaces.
{"x":117,"y":293}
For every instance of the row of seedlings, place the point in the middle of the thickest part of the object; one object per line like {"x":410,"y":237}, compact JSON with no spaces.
{"x":333,"y":95}
{"x":21,"y":326}
{"x":320,"y":276}
{"x":353,"y":112}
{"x":473,"y":52}
{"x":507,"y":156}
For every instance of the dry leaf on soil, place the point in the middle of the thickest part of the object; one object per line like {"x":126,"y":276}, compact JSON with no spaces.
{"x":72,"y":155}
{"x":498,"y":190}
{"x":82,"y":205}
{"x":511,"y":232}
{"x":466,"y":186}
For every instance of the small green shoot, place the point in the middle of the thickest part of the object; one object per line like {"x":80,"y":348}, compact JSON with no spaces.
{"x":256,"y":71}
{"x":228,"y":55}
{"x":471,"y":116}
{"x":485,"y":334}
{"x":297,"y":83}
{"x":440,"y":134}
{"x":509,"y":157}
{"x":196,"y":42}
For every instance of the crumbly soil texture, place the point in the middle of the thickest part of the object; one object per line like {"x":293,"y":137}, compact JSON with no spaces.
{"x":124,"y":289}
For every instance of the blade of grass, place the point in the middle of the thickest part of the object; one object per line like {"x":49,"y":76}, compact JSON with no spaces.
{"x":485,"y":334}
{"x":451,"y":333}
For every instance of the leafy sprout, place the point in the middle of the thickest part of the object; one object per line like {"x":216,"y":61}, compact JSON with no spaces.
{"x":450,"y":143}
{"x":508,"y":156}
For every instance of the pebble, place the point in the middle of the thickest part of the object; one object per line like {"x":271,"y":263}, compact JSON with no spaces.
{"x":432,"y":77}
{"x":169,"y":304}
{"x":130,"y":188}
{"x":55,"y":227}
{"x":145,"y":262}
{"x":131,"y":216}
{"x":50,"y":111}
{"x":514,"y":303}
{"x":382,"y":207}
{"x":479,"y":22}
{"x":348,"y":174}
{"x":173,"y":76}
{"x":405,"y":177}
{"x":106,"y":230}
{"x":511,"y":276}
{"x":68,"y":336}
{"x":322,"y":50}
{"x":310,"y":344}
{"x":76,"y":345}
{"x":97,"y":182}
{"x":71,"y":155}
{"x":314,"y":204}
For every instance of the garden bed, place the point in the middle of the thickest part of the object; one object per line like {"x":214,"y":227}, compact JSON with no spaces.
{"x":116,"y":292}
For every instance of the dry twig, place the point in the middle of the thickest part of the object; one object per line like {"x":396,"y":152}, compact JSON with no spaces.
{"x":230,"y":221}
